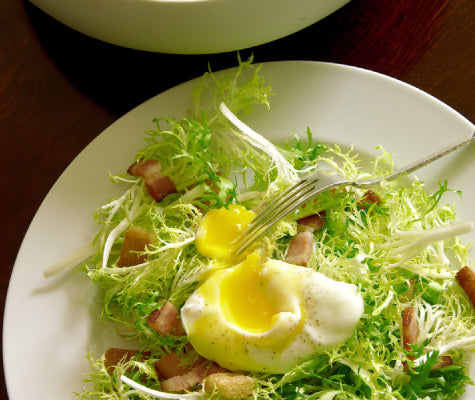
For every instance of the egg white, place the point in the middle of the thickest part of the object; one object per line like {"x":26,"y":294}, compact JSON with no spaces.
{"x":317,"y":314}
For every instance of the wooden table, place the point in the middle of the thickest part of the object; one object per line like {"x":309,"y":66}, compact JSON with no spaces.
{"x":59,"y":89}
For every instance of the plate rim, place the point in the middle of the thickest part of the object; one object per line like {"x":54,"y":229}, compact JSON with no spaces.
{"x":182,"y":86}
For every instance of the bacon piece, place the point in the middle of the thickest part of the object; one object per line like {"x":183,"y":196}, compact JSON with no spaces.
{"x":172,"y":365}
{"x":166,"y":319}
{"x":411,"y":334}
{"x":193,"y":377}
{"x":444,"y":361}
{"x":158,"y":185}
{"x":113,"y":356}
{"x":300,"y":248}
{"x":312,"y":222}
{"x":145,"y":167}
{"x":230,"y":385}
{"x":466,"y":279}
{"x":136,"y":239}
{"x":369,"y":198}
{"x":183,"y":382}
{"x":410,"y":329}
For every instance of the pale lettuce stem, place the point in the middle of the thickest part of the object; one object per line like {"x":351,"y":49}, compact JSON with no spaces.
{"x":157,"y":394}
{"x":175,"y":245}
{"x":466,"y":342}
{"x":358,"y":370}
{"x":74,"y":259}
{"x":410,"y":250}
{"x":385,"y":304}
{"x":121,"y":227}
{"x":192,"y":194}
{"x":124,"y":271}
{"x":88,"y":250}
{"x":285,"y":170}
{"x":431,"y":321}
{"x":431,"y":235}
{"x":249,"y":196}
{"x":329,"y":395}
{"x":116,"y":204}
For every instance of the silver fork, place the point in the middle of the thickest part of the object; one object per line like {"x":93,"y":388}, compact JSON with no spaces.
{"x":307,"y":188}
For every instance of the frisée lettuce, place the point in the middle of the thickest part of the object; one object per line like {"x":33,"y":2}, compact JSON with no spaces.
{"x":401,"y":251}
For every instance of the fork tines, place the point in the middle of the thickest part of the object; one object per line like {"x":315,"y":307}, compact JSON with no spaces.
{"x":278,"y":208}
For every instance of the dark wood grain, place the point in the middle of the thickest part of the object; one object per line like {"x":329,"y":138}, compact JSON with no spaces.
{"x":59,"y":89}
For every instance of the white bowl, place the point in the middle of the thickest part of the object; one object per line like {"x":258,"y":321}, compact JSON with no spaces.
{"x":188,"y":26}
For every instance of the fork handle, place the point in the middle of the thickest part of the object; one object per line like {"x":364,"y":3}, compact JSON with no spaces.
{"x":427,"y":160}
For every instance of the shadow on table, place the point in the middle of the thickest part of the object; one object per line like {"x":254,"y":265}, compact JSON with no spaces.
{"x":363,"y":33}
{"x":100,"y":69}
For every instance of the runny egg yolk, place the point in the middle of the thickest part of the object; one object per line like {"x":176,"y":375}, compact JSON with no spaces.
{"x":246,"y":289}
{"x":219,"y":228}
{"x":266,"y":315}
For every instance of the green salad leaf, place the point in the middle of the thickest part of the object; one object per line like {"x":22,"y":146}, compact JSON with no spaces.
{"x":402,"y":250}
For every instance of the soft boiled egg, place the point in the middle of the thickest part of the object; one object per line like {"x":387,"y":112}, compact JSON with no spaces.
{"x":269,"y":316}
{"x":219,"y":228}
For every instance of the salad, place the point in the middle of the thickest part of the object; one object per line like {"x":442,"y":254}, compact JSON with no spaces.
{"x":389,"y":316}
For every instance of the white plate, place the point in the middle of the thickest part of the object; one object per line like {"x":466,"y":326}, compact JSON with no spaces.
{"x":50,"y":325}
{"x":188,"y":26}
